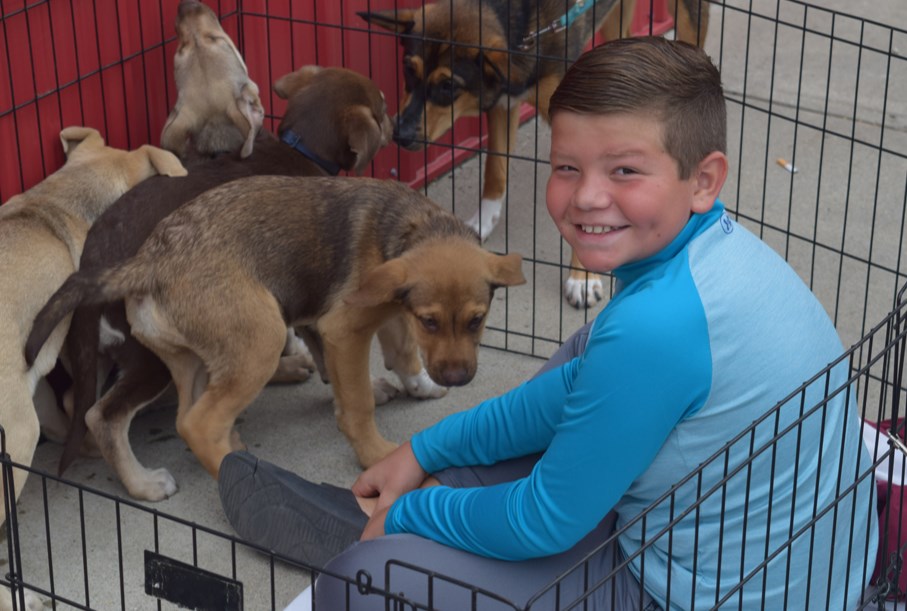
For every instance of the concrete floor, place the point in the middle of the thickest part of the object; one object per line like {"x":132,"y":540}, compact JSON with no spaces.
{"x":845,"y":197}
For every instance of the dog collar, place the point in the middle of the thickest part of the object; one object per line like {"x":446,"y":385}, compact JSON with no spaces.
{"x":288,"y":137}
{"x":558,"y":25}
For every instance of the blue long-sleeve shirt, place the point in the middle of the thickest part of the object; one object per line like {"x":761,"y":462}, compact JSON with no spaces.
{"x":701,"y":339}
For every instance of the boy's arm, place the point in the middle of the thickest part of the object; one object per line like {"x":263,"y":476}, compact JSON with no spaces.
{"x":519,"y":422}
{"x":640,"y":376}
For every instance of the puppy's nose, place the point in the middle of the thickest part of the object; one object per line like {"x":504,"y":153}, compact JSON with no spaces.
{"x":455,"y":375}
{"x":404,"y":141}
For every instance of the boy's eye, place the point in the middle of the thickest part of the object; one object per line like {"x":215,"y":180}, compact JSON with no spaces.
{"x":565,"y":168}
{"x":624,"y":171}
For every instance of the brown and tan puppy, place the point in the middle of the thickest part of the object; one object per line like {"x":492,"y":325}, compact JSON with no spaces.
{"x":215,"y":286}
{"x":217,"y":108}
{"x":463,"y":58}
{"x":339,"y":119}
{"x":41,"y":236}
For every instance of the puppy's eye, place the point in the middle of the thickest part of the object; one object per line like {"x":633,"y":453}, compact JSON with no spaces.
{"x":476,"y":323}
{"x":429,"y":323}
{"x":444,"y":92}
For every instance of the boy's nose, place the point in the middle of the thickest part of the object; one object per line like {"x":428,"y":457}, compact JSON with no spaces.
{"x":591,"y":193}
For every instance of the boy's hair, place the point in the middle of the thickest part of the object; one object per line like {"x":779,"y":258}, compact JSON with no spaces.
{"x":674,"y":81}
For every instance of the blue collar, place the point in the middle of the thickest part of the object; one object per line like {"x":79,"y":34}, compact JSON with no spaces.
{"x":294,"y":141}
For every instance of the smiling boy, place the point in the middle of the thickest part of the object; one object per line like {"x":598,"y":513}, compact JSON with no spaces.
{"x":709,"y":330}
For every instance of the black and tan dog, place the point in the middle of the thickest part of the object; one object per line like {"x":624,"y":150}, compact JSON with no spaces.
{"x":215,"y":286}
{"x":467,"y":57}
{"x":335,"y":119}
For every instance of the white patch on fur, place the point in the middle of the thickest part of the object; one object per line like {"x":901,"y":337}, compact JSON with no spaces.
{"x":487,"y":216}
{"x":295,"y":345}
{"x":108,"y":336}
{"x":421,"y":386}
{"x":583,"y":293}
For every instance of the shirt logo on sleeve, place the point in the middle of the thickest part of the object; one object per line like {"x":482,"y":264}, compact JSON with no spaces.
{"x":726,"y":224}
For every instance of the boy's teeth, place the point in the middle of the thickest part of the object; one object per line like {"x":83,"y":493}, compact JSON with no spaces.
{"x":597,"y":229}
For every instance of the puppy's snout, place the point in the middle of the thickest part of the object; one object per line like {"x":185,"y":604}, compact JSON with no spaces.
{"x":186,"y":8}
{"x":405,"y":138}
{"x":454,"y":375}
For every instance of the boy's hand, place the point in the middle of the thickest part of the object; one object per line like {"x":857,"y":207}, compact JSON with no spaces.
{"x":393,"y":476}
{"x":375,"y":526}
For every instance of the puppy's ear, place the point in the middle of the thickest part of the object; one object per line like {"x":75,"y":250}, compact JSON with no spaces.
{"x":363,"y":136}
{"x":505,"y":270}
{"x":395,"y":20}
{"x":290,"y":83}
{"x":382,"y":284}
{"x":74,"y":136}
{"x":249,"y":106}
{"x":164,"y":162}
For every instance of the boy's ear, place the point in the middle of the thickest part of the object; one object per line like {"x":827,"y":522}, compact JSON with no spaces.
{"x":709,"y":175}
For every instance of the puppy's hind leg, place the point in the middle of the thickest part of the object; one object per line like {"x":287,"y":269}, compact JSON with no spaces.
{"x":142,"y":379}
{"x":401,"y":355}
{"x":246,"y":357}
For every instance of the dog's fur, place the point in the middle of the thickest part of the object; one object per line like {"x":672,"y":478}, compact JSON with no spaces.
{"x":41,"y":236}
{"x":217,"y":107}
{"x":463,"y":58}
{"x":215,"y":286}
{"x":340,"y":116}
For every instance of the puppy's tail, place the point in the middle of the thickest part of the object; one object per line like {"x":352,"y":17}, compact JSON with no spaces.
{"x":84,"y":287}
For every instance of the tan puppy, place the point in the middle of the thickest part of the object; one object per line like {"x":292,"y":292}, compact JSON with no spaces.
{"x":217,"y":108}
{"x":41,"y":236}
{"x":215,"y":286}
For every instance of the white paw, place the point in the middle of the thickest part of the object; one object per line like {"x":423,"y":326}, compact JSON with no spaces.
{"x":155,"y":485}
{"x":486,"y":217}
{"x":583,"y":293}
{"x":384,"y":391}
{"x":422,"y":386}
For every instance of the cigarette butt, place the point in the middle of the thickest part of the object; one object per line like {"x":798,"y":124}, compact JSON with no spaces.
{"x":784,"y":163}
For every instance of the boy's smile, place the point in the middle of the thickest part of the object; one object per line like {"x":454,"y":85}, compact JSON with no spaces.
{"x":614,"y":193}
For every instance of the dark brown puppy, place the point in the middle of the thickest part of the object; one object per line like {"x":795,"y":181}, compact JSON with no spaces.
{"x":463,"y":58}
{"x":338,"y":117}
{"x":215,"y":286}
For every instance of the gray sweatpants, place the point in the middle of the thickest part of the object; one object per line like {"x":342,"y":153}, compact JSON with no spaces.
{"x":436,"y":576}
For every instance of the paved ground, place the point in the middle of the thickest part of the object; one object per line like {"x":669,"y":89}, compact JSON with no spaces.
{"x":839,"y":185}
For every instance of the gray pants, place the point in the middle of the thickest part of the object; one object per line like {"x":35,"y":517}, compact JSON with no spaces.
{"x":436,"y":576}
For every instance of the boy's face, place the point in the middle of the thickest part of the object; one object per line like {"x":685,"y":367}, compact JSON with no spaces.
{"x":614,"y":192}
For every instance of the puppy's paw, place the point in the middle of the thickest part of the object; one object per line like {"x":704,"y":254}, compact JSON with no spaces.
{"x":584,"y":292}
{"x":156,"y":485}
{"x":384,"y":391}
{"x":486,"y":217}
{"x":293,"y":369}
{"x":422,"y":386}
